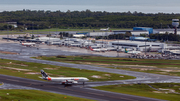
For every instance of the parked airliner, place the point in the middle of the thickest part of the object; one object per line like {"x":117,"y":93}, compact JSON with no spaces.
{"x":28,"y":44}
{"x":106,"y":29}
{"x":98,"y":49}
{"x":132,"y":52}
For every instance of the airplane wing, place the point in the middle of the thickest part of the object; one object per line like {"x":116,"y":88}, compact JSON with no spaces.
{"x":69,"y":82}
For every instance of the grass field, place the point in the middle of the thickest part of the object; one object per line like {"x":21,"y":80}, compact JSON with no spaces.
{"x":81,"y":29}
{"x":35,"y":95}
{"x":167,"y":67}
{"x":167,"y":91}
{"x":32,"y":71}
{"x":54,"y":30}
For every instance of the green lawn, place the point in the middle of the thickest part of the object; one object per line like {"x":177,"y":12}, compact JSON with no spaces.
{"x":9,"y":67}
{"x":121,"y":63}
{"x":110,"y":60}
{"x":167,"y":91}
{"x":35,"y":95}
{"x":54,"y":30}
{"x":78,"y":29}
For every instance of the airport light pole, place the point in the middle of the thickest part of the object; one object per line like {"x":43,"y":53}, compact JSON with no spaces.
{"x":24,"y":32}
{"x":68,"y":41}
{"x":135,"y":24}
{"x":83,"y":27}
{"x":118,"y":48}
{"x":49,"y":35}
{"x":38,"y":36}
{"x":7,"y":31}
{"x":145,"y":47}
{"x":167,"y":37}
{"x":102,"y":37}
{"x":24,"y":26}
{"x":56,"y":27}
{"x":88,"y":39}
{"x":37,"y":28}
{"x":32,"y":28}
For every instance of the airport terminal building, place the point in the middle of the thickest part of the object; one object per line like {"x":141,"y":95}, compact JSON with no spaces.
{"x":137,"y":31}
{"x":138,"y":46}
{"x":163,"y":31}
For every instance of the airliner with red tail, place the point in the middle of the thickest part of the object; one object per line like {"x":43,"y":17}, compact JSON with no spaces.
{"x":98,"y":50}
{"x":28,"y":44}
{"x":64,"y":80}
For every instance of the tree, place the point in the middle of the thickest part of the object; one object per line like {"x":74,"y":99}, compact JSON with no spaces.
{"x":67,"y":34}
{"x":48,"y":35}
{"x":128,"y":34}
{"x":70,"y":35}
{"x":61,"y":35}
{"x":32,"y":37}
{"x":95,"y":19}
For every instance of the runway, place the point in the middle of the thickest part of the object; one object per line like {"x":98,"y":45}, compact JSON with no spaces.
{"x":78,"y":91}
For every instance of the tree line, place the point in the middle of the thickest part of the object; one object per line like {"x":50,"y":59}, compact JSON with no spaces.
{"x":165,"y":37}
{"x":40,"y":19}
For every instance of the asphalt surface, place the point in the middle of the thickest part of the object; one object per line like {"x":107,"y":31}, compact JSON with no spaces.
{"x":77,"y":90}
{"x":81,"y":91}
{"x":52,"y":50}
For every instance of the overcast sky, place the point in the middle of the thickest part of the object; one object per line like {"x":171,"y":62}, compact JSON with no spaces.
{"x":145,"y":6}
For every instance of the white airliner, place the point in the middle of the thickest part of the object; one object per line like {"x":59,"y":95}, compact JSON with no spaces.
{"x":106,"y":29}
{"x":132,"y":52}
{"x":28,"y":44}
{"x":64,"y":80}
{"x":98,"y":49}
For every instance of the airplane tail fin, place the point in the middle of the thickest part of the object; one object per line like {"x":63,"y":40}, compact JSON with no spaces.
{"x":44,"y":75}
{"x":126,"y":50}
{"x":90,"y":48}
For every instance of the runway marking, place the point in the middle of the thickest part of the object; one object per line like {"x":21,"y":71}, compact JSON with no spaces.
{"x":21,"y":81}
{"x":95,"y":94}
{"x":12,"y":80}
{"x":30,"y":84}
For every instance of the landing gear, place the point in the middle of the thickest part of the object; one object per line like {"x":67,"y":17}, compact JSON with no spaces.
{"x":83,"y":84}
{"x":64,"y":85}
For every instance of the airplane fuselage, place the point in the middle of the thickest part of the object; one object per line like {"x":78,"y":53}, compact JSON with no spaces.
{"x":104,"y":29}
{"x":67,"y":79}
{"x":28,"y":44}
{"x":100,"y":50}
{"x":64,"y":80}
